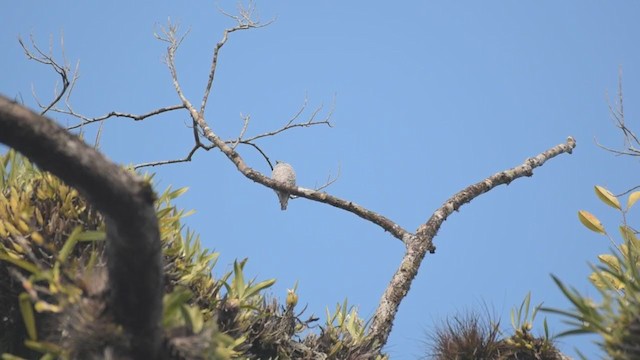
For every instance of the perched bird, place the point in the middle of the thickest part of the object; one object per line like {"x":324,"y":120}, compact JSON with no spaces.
{"x":283,"y":172}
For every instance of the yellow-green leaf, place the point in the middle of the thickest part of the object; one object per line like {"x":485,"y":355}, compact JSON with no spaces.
{"x":610,"y":260}
{"x":93,"y":235}
{"x":70,"y":244}
{"x":43,"y":306}
{"x":607,"y":197}
{"x":591,"y":222}
{"x":632,"y":199}
{"x":7,"y":356}
{"x":16,"y":260}
{"x":629,"y":235}
{"x":43,"y":347}
{"x":604,"y":281}
{"x":27,"y":315}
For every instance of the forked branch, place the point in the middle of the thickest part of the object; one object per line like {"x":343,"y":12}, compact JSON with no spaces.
{"x":422,"y":241}
{"x":63,"y":70}
{"x":417,"y":244}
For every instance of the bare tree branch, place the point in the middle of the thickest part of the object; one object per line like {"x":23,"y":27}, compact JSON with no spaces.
{"x":416,"y":244}
{"x":174,"y":161}
{"x":330,"y":180}
{"x":617,"y":113}
{"x":244,"y":21}
{"x":422,"y":241}
{"x":627,"y":191}
{"x":47,"y":59}
{"x":292,"y":123}
{"x":86,"y":120}
{"x":134,"y":257}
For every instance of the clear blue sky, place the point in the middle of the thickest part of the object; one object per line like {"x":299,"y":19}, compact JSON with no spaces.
{"x":430,"y":97}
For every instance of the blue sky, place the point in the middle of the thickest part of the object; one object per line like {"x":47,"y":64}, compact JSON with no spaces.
{"x":429,"y":98}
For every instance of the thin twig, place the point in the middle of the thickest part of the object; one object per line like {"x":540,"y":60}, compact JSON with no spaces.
{"x":628,"y":191}
{"x":244,"y":22}
{"x":330,"y":180}
{"x":47,"y":59}
{"x":174,"y":161}
{"x":245,"y":126}
{"x":291,"y":124}
{"x":86,"y":120}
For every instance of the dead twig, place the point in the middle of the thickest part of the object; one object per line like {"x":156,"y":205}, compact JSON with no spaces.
{"x":244,"y":21}
{"x":617,"y":114}
{"x":87,"y":120}
{"x":62,"y":70}
{"x":174,"y":161}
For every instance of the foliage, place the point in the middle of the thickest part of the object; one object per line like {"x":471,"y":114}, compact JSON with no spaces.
{"x":472,"y":336}
{"x":616,"y":318}
{"x":53,"y":294}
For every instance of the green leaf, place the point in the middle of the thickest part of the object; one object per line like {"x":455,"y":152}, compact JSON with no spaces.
{"x":629,"y":235}
{"x":6,"y":356}
{"x":43,"y":347}
{"x":92,"y":236}
{"x":611,"y":261}
{"x":238,"y":279}
{"x":607,"y":197}
{"x":19,"y":262}
{"x":258,"y":287}
{"x":604,"y":280}
{"x":193,"y":317}
{"x":632,"y":199}
{"x":172,"y":304}
{"x":175,"y":194}
{"x":70,"y":244}
{"x":591,"y":222}
{"x":26,"y":309}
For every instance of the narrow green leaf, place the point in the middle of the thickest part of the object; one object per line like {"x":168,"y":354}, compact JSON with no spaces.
{"x":238,"y":279}
{"x":259,"y":287}
{"x":178,"y":192}
{"x":70,"y":244}
{"x":7,"y":356}
{"x":26,"y":309}
{"x":20,"y":263}
{"x":42,"y":346}
{"x":628,"y":235}
{"x":546,"y":328}
{"x":92,"y":236}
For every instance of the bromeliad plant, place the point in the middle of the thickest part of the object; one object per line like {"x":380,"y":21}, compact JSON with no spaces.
{"x":53,"y":286}
{"x":616,"y":317}
{"x":53,"y":279}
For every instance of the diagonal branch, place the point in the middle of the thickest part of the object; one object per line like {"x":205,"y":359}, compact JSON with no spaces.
{"x":422,"y":241}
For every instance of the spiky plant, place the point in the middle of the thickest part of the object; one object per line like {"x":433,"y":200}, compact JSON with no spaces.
{"x":53,"y":287}
{"x":616,"y":318}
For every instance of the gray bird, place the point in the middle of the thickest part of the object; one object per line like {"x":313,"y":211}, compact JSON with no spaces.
{"x":283,"y":172}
